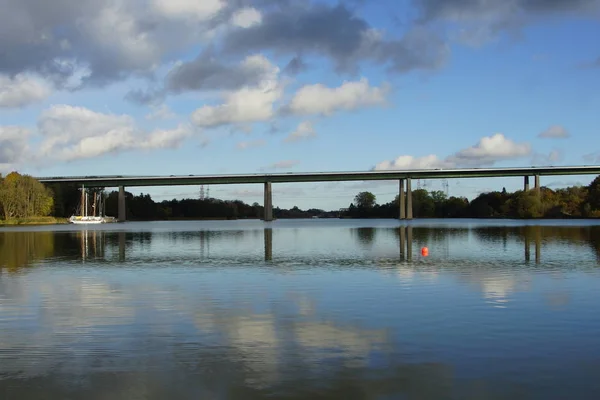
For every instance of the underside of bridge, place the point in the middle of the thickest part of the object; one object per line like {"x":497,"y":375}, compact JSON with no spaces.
{"x":405,"y":202}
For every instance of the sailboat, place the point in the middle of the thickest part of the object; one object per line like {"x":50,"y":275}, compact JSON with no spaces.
{"x":91,"y":213}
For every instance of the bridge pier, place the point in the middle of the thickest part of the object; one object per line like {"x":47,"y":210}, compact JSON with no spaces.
{"x":402,"y":200}
{"x":526,"y":183}
{"x":406,"y":238}
{"x":409,"y":239}
{"x":409,"y":207}
{"x":122,"y":210}
{"x":538,"y":189}
{"x":268,"y":203}
{"x":268,"y":233}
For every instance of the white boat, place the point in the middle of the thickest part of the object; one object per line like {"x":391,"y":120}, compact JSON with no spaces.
{"x":77,"y":219}
{"x":91,"y":214}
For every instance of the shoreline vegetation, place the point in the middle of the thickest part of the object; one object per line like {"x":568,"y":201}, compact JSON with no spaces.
{"x":25,"y":201}
{"x":34,"y":221}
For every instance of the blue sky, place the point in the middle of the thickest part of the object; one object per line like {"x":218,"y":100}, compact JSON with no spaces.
{"x":221,"y":86}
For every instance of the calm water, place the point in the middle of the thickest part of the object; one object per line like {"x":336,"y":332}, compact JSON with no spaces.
{"x":311,"y":309}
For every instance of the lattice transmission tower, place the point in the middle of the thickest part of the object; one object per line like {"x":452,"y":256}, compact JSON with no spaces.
{"x":446,"y":186}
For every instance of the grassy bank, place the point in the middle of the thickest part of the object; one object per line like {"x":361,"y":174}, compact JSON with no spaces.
{"x":33,"y":221}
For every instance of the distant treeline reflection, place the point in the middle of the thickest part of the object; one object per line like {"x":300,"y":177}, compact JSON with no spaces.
{"x":24,"y":249}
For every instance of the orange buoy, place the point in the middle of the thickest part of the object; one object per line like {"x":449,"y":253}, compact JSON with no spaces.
{"x":424,"y":251}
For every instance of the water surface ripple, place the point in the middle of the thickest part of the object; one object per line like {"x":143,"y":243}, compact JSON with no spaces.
{"x":319,"y":309}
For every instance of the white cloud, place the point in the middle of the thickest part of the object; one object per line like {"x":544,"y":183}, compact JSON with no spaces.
{"x":487,"y":151}
{"x":77,"y":132}
{"x":304,"y":131}
{"x":243,"y":106}
{"x":199,"y":9}
{"x":246,"y":105}
{"x":250,"y":144}
{"x":319,"y":99}
{"x":246,"y":17}
{"x":116,"y":33}
{"x":72,"y":133}
{"x":22,"y":90}
{"x":167,"y":138}
{"x":555,"y":132}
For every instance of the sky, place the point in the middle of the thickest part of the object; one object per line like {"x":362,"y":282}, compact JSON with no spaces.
{"x":179,"y":87}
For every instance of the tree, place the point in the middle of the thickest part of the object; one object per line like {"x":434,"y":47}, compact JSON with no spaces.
{"x":365,"y":200}
{"x":438,"y":196}
{"x":423,"y":204}
{"x":454,"y":207}
{"x":593,"y":196}
{"x":21,"y":196}
{"x":527,"y":205}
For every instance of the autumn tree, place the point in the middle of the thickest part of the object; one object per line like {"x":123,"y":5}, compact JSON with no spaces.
{"x":593,"y":195}
{"x":21,"y":196}
{"x":526,"y":205}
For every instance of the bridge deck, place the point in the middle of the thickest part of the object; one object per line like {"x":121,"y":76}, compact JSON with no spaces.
{"x":172,"y":180}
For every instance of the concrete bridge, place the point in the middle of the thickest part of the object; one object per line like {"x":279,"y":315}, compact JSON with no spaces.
{"x":404,"y":177}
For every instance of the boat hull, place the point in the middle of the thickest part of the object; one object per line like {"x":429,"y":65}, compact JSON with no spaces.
{"x":90,"y":220}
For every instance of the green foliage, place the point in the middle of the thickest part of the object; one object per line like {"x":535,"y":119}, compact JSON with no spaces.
{"x":571,"y":202}
{"x":365,"y":200}
{"x":66,"y":199}
{"x":21,"y":196}
{"x":525,"y":205}
{"x":423,"y":204}
{"x":593,"y":197}
{"x":143,"y":207}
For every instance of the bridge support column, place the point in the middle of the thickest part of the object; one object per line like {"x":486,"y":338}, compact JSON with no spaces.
{"x":402,"y":242}
{"x":409,"y":239}
{"x":122,"y":210}
{"x":409,"y":207}
{"x":402,"y":201}
{"x":538,"y":244}
{"x":538,"y":189}
{"x":526,"y":183}
{"x":268,"y":244}
{"x":268,"y":203}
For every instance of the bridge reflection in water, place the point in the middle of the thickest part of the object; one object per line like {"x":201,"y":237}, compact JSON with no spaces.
{"x":526,"y":234}
{"x":300,"y":245}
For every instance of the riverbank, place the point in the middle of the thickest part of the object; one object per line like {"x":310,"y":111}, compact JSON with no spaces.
{"x":34,"y":221}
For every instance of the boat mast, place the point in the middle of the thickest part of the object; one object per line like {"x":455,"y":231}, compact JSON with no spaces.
{"x":102,"y":204}
{"x":95,"y":203}
{"x":82,"y":206}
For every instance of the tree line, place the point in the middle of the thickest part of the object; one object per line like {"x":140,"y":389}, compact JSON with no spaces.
{"x":571,"y":202}
{"x":143,"y":208}
{"x":21,"y":196}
